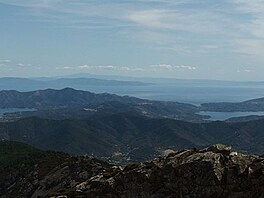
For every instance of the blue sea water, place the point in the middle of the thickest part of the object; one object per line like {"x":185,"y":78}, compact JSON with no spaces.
{"x":188,"y":93}
{"x":221,"y":116}
{"x":14,"y":110}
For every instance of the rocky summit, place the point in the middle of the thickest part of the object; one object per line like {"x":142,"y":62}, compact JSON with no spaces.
{"x":216,"y":171}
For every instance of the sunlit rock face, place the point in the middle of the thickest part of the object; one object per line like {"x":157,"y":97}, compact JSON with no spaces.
{"x":216,"y":171}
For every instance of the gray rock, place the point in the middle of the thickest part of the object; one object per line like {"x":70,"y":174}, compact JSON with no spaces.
{"x":212,"y":172}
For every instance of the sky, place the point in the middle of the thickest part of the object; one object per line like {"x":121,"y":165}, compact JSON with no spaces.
{"x":187,"y":39}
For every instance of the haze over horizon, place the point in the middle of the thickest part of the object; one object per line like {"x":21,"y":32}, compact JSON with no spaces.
{"x":182,"y":39}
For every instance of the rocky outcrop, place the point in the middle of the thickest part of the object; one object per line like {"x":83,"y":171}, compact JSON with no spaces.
{"x":54,"y":175}
{"x":216,"y":171}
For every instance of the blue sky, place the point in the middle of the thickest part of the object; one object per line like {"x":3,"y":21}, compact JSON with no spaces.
{"x":207,"y":39}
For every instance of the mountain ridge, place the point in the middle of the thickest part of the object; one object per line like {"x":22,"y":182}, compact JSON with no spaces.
{"x":29,"y":84}
{"x":69,"y":98}
{"x":134,"y":137}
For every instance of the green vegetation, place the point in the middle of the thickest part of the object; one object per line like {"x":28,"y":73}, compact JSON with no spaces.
{"x":18,"y":159}
{"x":69,"y":103}
{"x":15,"y":153}
{"x":24,"y":170}
{"x":136,"y":138}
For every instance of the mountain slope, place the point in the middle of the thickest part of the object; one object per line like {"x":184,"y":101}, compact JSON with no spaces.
{"x":122,"y":137}
{"x":29,"y":172}
{"x":68,"y":98}
{"x":51,"y":98}
{"x":135,"y":136}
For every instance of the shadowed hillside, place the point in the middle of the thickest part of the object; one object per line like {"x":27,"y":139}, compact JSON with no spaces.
{"x":131,"y":137}
{"x":79,"y":102}
{"x":29,"y":172}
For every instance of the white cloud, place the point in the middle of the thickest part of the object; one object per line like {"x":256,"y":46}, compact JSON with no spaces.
{"x":245,"y":71}
{"x":190,"y":20}
{"x":250,"y":46}
{"x":102,"y":67}
{"x":12,"y":64}
{"x":251,"y":39}
{"x":23,"y":65}
{"x":162,"y":22}
{"x":173,"y":67}
{"x":32,"y":3}
{"x":110,"y":67}
{"x":139,"y":14}
{"x":4,"y":61}
{"x":151,"y":68}
{"x":66,"y":68}
{"x":248,"y":70}
{"x":252,"y":6}
{"x":126,"y":68}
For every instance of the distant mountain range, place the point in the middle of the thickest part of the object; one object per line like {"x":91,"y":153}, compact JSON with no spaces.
{"x":68,"y":99}
{"x":69,"y":103}
{"x":215,"y":83}
{"x":29,"y":84}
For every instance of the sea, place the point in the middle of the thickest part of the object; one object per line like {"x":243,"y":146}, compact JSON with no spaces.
{"x":196,"y":93}
{"x":193,"y":93}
